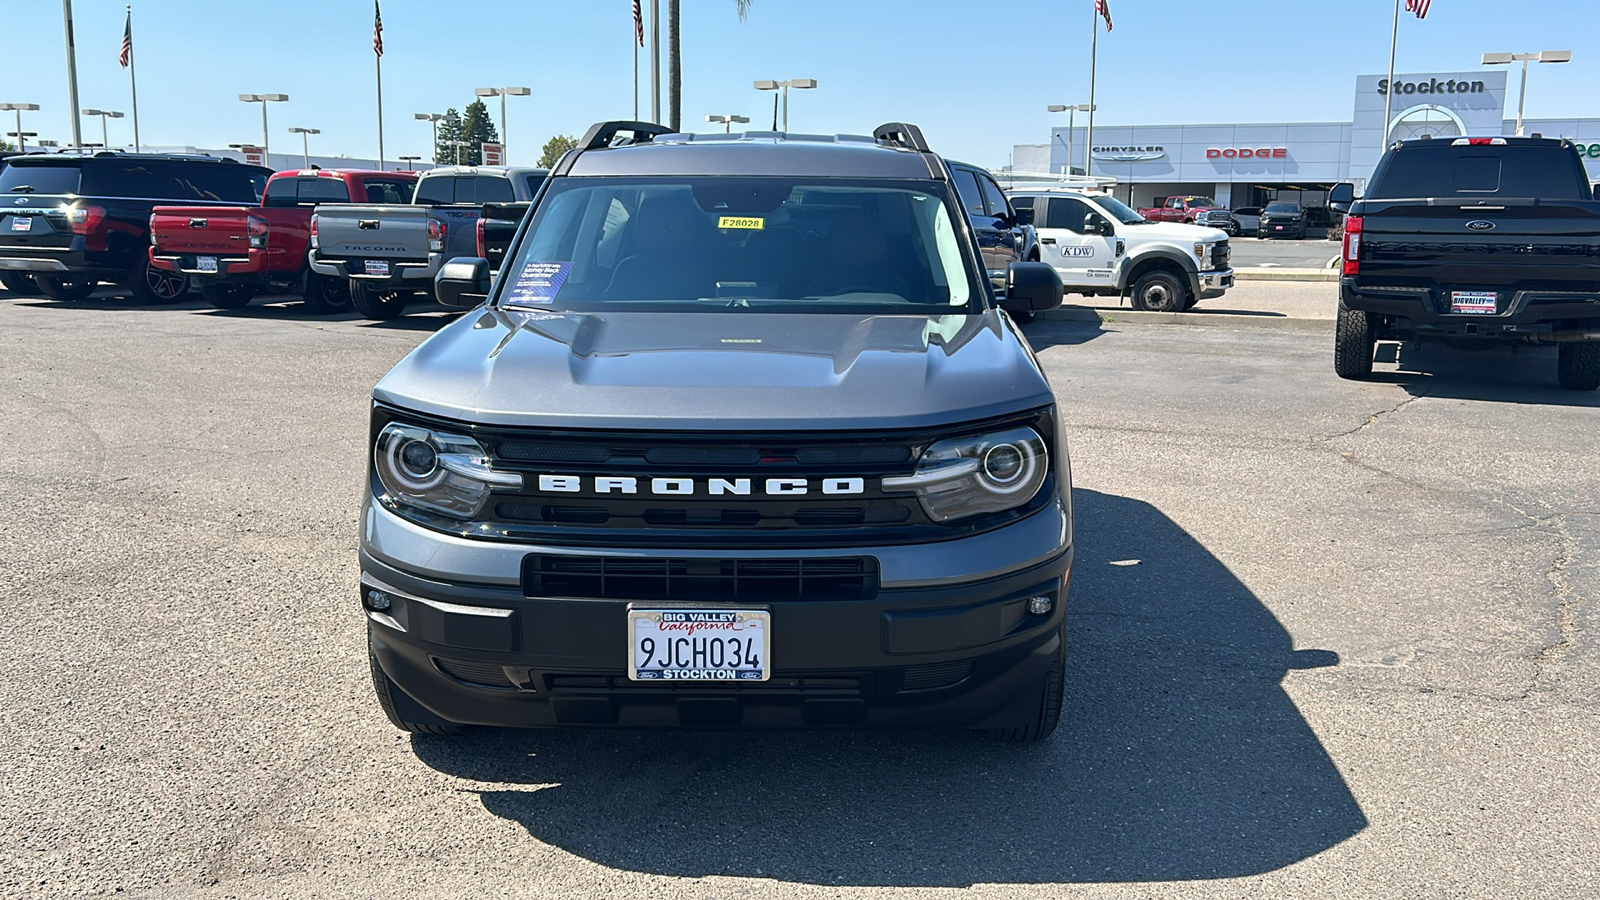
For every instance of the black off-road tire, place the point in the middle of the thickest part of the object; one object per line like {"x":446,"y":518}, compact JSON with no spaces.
{"x":20,"y":283}
{"x":158,"y":287}
{"x":377,"y":304}
{"x":1053,"y":691}
{"x":1160,"y":291}
{"x":388,"y":691}
{"x":1578,"y":365}
{"x":227,"y":296}
{"x":323,"y":294}
{"x":1353,"y":344}
{"x":66,"y":289}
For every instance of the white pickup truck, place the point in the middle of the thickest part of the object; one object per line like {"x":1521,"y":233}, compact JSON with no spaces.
{"x":1102,"y":247}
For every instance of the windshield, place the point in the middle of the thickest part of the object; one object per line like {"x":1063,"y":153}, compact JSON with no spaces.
{"x":32,"y":178}
{"x":1551,"y":172}
{"x":1283,"y":207}
{"x":1118,"y":210}
{"x":1200,"y":201}
{"x":712,"y":243}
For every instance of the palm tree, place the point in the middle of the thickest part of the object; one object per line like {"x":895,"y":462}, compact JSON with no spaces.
{"x":674,"y":62}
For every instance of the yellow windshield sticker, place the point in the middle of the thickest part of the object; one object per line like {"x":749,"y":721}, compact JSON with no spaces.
{"x":751,"y":222}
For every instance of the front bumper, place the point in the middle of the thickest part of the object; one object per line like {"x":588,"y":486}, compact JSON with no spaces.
{"x":1277,"y":229}
{"x":1213,"y":283}
{"x":1519,"y":315}
{"x":956,"y":650}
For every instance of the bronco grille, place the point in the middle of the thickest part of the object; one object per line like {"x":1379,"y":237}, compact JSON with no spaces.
{"x":700,"y":580}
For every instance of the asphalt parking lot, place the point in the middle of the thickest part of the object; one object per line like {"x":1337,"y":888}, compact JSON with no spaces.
{"x":1277,"y":253}
{"x":1327,"y":639}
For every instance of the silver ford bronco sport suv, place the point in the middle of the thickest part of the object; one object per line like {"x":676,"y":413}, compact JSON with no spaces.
{"x":739,"y":437}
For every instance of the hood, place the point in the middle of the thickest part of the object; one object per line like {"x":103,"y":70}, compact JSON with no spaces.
{"x":717,"y":371}
{"x":1177,"y":231}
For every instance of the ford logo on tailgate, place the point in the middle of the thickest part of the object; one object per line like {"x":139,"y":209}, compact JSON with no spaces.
{"x":1480,"y":225}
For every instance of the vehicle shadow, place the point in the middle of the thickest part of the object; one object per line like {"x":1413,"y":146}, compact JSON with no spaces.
{"x":1180,"y":757}
{"x":1044,"y":332}
{"x":1497,"y":373}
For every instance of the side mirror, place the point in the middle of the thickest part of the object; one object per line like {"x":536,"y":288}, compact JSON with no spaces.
{"x":1031,"y":287}
{"x":1024,"y":216}
{"x":463,"y":281}
{"x":1104,"y":227}
{"x":1342,"y":196}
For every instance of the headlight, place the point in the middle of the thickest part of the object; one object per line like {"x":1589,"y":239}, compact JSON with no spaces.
{"x":447,"y":474}
{"x":971,"y":476}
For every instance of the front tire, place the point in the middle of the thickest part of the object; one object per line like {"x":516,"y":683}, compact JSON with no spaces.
{"x":158,"y":287}
{"x":1353,"y":344}
{"x":397,"y":704}
{"x":1578,"y":366}
{"x":227,"y":296}
{"x":1051,"y":694}
{"x":377,"y":304}
{"x":20,"y":283}
{"x":323,"y":294}
{"x":67,"y":290}
{"x":1159,"y":291}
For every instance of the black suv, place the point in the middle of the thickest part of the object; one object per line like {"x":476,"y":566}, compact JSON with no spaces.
{"x":68,"y":222}
{"x":1003,"y":236}
{"x":1282,"y":219}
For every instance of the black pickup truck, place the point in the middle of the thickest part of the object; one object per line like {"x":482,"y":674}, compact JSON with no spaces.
{"x":1468,"y":240}
{"x":496,"y":227}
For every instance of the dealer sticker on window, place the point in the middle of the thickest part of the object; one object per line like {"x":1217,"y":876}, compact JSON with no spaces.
{"x":1474,"y":302}
{"x":753,"y":223}
{"x":539,"y":282}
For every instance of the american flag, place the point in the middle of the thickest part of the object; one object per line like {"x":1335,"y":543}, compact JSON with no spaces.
{"x":638,"y":23}
{"x":126,"y":56}
{"x":1103,"y":7}
{"x":1420,"y":7}
{"x":377,"y":29}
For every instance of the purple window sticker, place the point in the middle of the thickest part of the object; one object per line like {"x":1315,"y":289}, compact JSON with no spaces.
{"x":539,"y":282}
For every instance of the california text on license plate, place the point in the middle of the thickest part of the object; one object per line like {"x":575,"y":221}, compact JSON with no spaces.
{"x":688,"y":644}
{"x":206,"y":263}
{"x":377,"y":267}
{"x":1479,"y":302}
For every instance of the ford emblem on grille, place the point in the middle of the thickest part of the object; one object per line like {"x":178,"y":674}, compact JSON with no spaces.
{"x":1480,"y":225}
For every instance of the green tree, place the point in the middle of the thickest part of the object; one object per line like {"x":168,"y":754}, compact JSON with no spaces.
{"x":444,"y":153}
{"x":554,"y":148}
{"x":5,"y":145}
{"x":477,"y":129}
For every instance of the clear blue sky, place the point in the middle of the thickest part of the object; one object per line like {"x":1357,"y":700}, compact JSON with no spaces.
{"x":976,"y":76}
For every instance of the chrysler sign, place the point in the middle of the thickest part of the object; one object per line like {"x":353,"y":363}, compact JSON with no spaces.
{"x":1128,"y":154}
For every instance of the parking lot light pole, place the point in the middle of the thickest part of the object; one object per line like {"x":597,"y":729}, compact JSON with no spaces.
{"x":502,"y":93}
{"x":408,"y":160}
{"x":18,"y":109}
{"x":1070,"y":111}
{"x":104,"y":114}
{"x":727,"y":121}
{"x":1543,"y":56}
{"x":434,"y":119}
{"x":305,"y":142}
{"x":264,"y":99}
{"x":798,"y":84}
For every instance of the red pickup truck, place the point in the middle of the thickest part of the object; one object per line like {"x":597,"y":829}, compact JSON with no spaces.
{"x":1193,"y":211}
{"x":235,"y":252}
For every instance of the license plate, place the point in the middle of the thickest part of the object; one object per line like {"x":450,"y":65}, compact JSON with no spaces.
{"x":22,"y":223}
{"x":1474,"y":302}
{"x":377,"y":267}
{"x":1277,"y":228}
{"x":206,"y":263}
{"x":699,"y":644}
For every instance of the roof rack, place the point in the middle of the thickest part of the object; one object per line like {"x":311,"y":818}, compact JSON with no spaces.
{"x":604,"y":134}
{"x":901,"y":134}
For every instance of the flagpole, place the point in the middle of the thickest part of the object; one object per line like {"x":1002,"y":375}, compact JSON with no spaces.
{"x":1094,"y":51}
{"x":655,"y":61}
{"x":380,"y":112}
{"x":133,"y":83}
{"x":1388,"y":94}
{"x":633,"y":43}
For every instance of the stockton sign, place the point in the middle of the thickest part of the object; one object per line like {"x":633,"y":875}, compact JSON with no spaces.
{"x":1431,"y":86}
{"x":1247,"y":153}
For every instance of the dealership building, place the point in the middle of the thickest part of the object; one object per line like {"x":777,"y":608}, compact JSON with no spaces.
{"x":1250,"y":165}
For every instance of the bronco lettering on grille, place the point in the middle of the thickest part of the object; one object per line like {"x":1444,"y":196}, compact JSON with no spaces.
{"x":685,"y":487}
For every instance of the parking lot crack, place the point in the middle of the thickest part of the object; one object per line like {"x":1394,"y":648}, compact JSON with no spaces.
{"x":1373,"y":419}
{"x":1567,"y":601}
